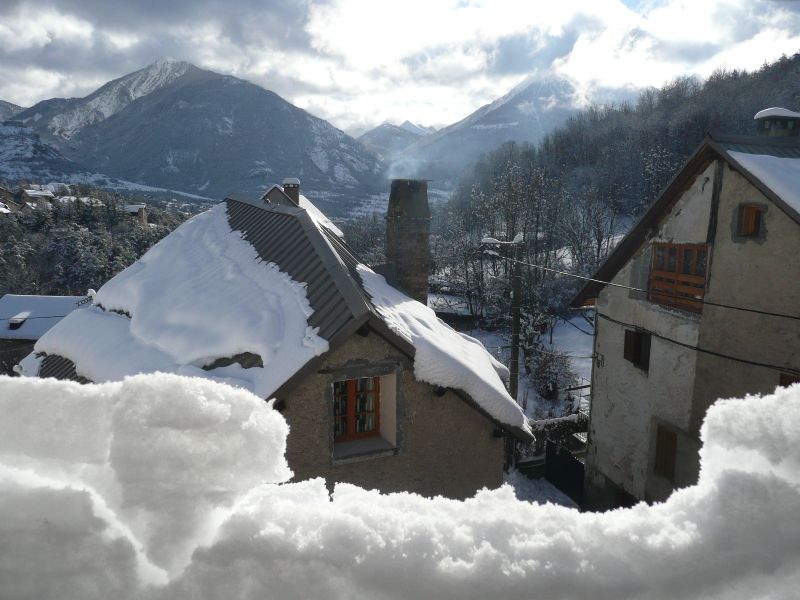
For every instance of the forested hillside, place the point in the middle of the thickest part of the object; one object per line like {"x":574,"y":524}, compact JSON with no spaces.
{"x":575,"y":194}
{"x":587,"y":180}
{"x":76,"y":245}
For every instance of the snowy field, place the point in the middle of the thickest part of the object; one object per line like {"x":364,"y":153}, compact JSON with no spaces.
{"x":571,"y":337}
{"x":168,"y":487}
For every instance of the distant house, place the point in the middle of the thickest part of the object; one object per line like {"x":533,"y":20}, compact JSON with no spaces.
{"x":24,"y":319}
{"x":137,"y":211}
{"x":718,"y":316}
{"x":266,"y":294}
{"x":36,"y":198}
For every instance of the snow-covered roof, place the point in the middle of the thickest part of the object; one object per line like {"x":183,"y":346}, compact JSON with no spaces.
{"x":271,"y":282}
{"x":780,"y":174}
{"x":29,"y":317}
{"x":777,"y":112}
{"x":39,"y":193}
{"x":4,"y":208}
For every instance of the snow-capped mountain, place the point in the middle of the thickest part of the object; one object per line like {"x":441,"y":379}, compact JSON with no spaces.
{"x":8,"y":110}
{"x":65,"y":119}
{"x":176,"y":126}
{"x":26,"y":158}
{"x":387,"y":139}
{"x":525,"y":114}
{"x":418,"y":129}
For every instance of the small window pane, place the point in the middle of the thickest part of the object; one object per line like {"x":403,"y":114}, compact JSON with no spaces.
{"x":688,"y":256}
{"x":700,"y":267}
{"x":660,"y":258}
{"x":672,"y":259}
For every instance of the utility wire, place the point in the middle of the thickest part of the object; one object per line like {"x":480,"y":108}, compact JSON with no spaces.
{"x":635,"y":289}
{"x":31,"y":318}
{"x":782,"y":369}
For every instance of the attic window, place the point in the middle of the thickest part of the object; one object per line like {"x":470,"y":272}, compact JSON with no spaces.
{"x":678,"y":275}
{"x":18,"y":320}
{"x":750,"y":220}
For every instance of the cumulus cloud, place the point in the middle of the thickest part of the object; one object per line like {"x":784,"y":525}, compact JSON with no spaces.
{"x":357,"y":62}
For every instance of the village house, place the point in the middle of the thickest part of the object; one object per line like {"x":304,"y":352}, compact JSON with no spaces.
{"x":266,"y":294}
{"x":24,"y":319}
{"x":138,"y":212}
{"x":702,"y":304}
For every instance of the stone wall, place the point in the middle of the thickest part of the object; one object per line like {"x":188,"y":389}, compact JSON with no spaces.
{"x":443,"y":445}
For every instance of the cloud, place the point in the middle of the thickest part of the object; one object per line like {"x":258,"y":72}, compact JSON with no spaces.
{"x":360,"y":62}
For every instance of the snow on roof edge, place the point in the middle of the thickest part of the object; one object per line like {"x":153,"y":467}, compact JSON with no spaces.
{"x":443,"y":356}
{"x":776,"y":111}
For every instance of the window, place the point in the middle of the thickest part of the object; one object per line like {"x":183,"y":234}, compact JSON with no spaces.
{"x":678,"y":275}
{"x":666,"y":450}
{"x":750,"y":218}
{"x":356,"y":409}
{"x":637,"y":348}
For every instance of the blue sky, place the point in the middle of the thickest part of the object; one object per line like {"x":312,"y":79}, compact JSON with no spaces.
{"x":358,"y":63}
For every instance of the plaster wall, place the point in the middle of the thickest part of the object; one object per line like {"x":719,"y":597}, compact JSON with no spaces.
{"x":443,"y":445}
{"x":761,"y":273}
{"x":687,"y":222}
{"x":628,"y":402}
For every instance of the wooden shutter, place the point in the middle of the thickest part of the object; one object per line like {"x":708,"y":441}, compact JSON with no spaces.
{"x":637,"y":348}
{"x":666,"y":450}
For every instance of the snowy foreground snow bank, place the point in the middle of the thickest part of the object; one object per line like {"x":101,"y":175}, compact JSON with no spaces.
{"x":165,"y":487}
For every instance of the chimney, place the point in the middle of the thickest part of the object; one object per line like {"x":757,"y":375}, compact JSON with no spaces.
{"x":777,"y":122}
{"x":408,"y":227}
{"x":291,"y":187}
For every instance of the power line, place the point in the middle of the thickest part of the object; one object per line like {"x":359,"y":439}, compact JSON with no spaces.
{"x":782,"y":369}
{"x":21,"y":319}
{"x":635,"y":289}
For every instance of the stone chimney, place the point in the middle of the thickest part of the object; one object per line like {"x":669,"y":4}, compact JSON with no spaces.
{"x":408,"y":227}
{"x":777,"y":122}
{"x":291,"y":187}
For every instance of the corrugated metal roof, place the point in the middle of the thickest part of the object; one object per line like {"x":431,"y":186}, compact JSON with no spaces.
{"x":60,"y":368}
{"x":287,"y":237}
{"x":779,"y":147}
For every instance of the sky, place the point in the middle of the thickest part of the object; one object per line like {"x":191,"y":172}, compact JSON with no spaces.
{"x":358,"y":63}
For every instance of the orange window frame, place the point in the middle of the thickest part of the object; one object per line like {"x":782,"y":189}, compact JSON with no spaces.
{"x":750,"y":220}
{"x":346,"y":392}
{"x":678,"y":275}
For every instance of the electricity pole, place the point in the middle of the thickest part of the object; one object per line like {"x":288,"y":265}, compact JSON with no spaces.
{"x":516,"y":305}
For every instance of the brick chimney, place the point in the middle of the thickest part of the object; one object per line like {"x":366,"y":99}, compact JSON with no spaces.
{"x":291,"y":187}
{"x":408,"y":227}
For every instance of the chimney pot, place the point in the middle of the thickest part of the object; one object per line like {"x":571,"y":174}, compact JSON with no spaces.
{"x":291,"y":187}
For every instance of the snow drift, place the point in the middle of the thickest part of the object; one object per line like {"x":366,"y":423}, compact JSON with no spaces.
{"x":166,"y":487}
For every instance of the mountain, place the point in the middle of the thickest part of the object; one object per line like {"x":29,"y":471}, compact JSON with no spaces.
{"x":174,"y":125}
{"x":418,"y":129}
{"x":64,"y":118}
{"x":387,"y":139}
{"x":8,"y":110}
{"x":25,"y":157}
{"x":525,"y":114}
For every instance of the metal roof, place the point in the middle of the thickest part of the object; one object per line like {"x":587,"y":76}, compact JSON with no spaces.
{"x":289,"y":238}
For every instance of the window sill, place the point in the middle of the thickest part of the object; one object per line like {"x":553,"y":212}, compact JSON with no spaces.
{"x":358,"y":450}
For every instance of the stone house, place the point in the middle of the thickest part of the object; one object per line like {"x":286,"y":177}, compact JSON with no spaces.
{"x":266,"y":294}
{"x":702,"y":304}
